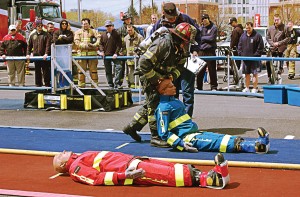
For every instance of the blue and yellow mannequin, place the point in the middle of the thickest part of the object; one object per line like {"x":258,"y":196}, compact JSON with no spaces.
{"x":177,"y":128}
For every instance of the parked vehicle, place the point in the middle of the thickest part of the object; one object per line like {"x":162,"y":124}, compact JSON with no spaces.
{"x":28,"y":11}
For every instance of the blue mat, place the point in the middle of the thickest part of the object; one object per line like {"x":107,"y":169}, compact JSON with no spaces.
{"x":282,"y":151}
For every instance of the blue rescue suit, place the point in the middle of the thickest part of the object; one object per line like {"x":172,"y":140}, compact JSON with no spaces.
{"x":176,"y":127}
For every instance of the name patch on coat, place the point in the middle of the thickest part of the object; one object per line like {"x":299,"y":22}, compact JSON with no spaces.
{"x":77,"y":169}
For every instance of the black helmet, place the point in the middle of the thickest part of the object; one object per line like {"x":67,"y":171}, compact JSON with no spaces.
{"x":125,"y":16}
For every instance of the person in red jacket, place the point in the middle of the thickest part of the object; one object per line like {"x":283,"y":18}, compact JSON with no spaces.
{"x":14,"y":44}
{"x":114,"y":168}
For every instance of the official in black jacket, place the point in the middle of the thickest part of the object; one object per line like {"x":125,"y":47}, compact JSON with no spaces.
{"x":251,"y":44}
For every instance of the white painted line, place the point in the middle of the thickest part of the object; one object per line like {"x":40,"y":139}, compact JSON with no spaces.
{"x":34,"y":194}
{"x":121,"y":146}
{"x":109,"y":129}
{"x":289,"y":137}
{"x":54,"y":176}
{"x":262,"y":75}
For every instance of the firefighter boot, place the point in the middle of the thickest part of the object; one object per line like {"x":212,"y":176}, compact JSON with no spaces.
{"x":130,"y":130}
{"x":218,"y":177}
{"x":157,"y":142}
{"x":260,"y":145}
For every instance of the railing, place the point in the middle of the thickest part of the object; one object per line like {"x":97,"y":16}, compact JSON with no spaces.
{"x":40,"y":58}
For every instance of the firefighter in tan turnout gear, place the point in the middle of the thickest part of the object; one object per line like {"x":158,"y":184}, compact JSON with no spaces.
{"x":87,"y":41}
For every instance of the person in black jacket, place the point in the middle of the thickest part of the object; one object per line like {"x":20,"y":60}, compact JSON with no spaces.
{"x":39,"y":45}
{"x":235,"y":37}
{"x":63,"y":35}
{"x":208,"y":46}
{"x":110,"y":45}
{"x":251,"y":44}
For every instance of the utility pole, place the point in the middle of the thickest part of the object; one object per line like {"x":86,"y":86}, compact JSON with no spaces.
{"x":131,"y":8}
{"x":152,"y":6}
{"x":186,"y":7}
{"x":140,"y":12}
{"x":79,"y":11}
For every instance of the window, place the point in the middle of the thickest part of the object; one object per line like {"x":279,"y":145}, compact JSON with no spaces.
{"x":26,"y":11}
{"x":50,"y":12}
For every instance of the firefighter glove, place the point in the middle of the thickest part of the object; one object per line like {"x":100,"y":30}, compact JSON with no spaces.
{"x":189,"y":148}
{"x":132,"y":173}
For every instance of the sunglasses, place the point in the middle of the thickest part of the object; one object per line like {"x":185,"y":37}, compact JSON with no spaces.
{"x":13,"y":30}
{"x":64,"y":23}
{"x":204,"y":18}
{"x":108,"y":25}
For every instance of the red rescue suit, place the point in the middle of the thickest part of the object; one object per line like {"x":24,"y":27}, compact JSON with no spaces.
{"x":108,"y":168}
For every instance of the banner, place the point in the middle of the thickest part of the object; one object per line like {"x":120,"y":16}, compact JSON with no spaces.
{"x":257,"y":20}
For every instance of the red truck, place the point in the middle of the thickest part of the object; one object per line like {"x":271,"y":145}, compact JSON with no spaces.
{"x":28,"y":11}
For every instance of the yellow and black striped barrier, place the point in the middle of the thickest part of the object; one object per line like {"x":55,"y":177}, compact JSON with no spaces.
{"x":91,"y":100}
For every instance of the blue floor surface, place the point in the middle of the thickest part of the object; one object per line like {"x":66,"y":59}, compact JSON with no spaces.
{"x":282,"y":151}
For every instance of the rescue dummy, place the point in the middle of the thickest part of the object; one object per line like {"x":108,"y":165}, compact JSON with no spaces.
{"x":114,"y":168}
{"x":177,"y":128}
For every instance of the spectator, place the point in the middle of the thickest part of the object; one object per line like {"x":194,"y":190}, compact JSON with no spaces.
{"x":291,"y":50}
{"x":14,"y":44}
{"x":18,"y":24}
{"x":132,"y":40}
{"x":87,"y":41}
{"x":153,"y":21}
{"x":186,"y":82}
{"x":208,"y":46}
{"x":113,"y":168}
{"x":126,"y":18}
{"x":63,"y":35}
{"x":235,"y":37}
{"x":111,"y":45}
{"x":278,"y":40}
{"x":251,"y":44}
{"x":39,"y":45}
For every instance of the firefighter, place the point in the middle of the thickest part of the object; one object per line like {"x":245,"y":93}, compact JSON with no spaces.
{"x":186,"y":82}
{"x":177,"y":128}
{"x":114,"y":168}
{"x":158,"y":63}
{"x":126,"y":18}
{"x":87,"y":41}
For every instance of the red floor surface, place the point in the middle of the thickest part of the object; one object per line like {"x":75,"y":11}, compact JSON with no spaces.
{"x":31,"y":173}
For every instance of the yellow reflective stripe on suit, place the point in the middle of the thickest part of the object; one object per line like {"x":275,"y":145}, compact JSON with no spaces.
{"x":179,"y":176}
{"x":98,"y":159}
{"x":178,"y":121}
{"x":172,"y":139}
{"x":224,"y":143}
{"x":134,"y":164}
{"x":108,"y":179}
{"x":189,"y":137}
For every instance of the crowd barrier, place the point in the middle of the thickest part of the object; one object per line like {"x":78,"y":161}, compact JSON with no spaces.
{"x":138,"y":90}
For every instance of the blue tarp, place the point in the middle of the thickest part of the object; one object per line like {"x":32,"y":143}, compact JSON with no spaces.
{"x":282,"y":151}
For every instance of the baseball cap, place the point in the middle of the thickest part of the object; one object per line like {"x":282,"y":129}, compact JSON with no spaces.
{"x":108,"y":23}
{"x":231,"y":20}
{"x":11,"y":27}
{"x":170,"y":10}
{"x":38,"y":22}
